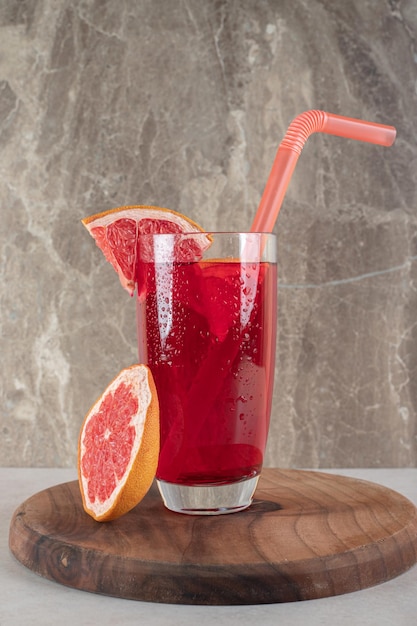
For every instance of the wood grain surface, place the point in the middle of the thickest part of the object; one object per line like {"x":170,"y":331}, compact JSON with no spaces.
{"x":307,"y":535}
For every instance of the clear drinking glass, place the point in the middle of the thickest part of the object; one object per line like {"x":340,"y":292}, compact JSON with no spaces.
{"x":206,"y":321}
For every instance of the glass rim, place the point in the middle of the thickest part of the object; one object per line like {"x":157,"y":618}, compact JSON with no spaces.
{"x":227,"y":233}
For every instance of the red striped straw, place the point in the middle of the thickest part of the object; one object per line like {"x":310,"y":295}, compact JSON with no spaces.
{"x":290,"y":149}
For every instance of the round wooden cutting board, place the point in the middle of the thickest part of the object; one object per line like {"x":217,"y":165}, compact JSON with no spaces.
{"x":307,"y":535}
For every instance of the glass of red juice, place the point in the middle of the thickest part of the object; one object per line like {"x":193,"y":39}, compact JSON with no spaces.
{"x":206,"y":322}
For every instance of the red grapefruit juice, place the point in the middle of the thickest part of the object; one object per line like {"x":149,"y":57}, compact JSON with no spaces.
{"x":207,"y":330}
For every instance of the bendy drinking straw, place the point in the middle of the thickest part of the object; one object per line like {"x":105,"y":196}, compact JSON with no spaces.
{"x":290,"y":149}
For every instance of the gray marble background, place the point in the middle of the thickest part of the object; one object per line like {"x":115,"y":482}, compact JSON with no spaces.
{"x":183,"y":103}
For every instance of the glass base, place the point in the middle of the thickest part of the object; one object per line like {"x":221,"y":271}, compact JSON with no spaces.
{"x":208,"y":499}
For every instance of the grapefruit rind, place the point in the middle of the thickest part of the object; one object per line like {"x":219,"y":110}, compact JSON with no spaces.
{"x":148,"y":211}
{"x":141,"y":468}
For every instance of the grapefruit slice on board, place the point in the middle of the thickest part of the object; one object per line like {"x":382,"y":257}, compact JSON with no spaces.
{"x":118,"y":446}
{"x":116,"y":234}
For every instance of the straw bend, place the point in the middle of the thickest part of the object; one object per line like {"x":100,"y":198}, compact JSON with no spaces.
{"x":315,"y":121}
{"x":301,"y":128}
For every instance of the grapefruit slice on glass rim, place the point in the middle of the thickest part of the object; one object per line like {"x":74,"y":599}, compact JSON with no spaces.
{"x":116,"y":234}
{"x":118,"y":446}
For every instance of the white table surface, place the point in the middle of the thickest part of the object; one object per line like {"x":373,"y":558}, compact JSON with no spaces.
{"x":26,"y":598}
